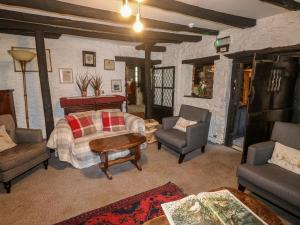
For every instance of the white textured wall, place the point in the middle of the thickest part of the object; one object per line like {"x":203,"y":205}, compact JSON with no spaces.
{"x":66,"y":52}
{"x":279,"y":30}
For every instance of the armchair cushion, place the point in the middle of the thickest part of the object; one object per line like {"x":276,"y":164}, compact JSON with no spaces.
{"x":9,"y":123}
{"x":273,"y":179}
{"x":182,"y":124}
{"x":169,"y":122}
{"x":286,"y":157}
{"x":5,"y":140}
{"x":260,"y":153}
{"x":20,"y":154}
{"x":28,"y":135}
{"x":173,"y":137}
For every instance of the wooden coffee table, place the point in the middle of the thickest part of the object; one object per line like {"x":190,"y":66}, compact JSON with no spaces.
{"x":256,"y":206}
{"x":103,"y":146}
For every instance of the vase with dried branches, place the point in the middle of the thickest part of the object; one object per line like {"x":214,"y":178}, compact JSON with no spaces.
{"x":96,"y":83}
{"x":83,"y":83}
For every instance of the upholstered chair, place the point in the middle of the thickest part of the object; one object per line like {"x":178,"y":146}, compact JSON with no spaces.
{"x":29,"y":152}
{"x":277,"y":185}
{"x":195,"y":136}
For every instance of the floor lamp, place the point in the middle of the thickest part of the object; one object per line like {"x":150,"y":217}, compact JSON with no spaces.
{"x":23,"y":57}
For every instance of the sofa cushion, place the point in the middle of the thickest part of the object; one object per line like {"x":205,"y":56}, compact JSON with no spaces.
{"x":274,"y":179}
{"x":5,"y":140}
{"x":81,"y":125}
{"x":19,"y":154}
{"x":10,"y":126}
{"x":113,"y":121}
{"x":172,"y":136}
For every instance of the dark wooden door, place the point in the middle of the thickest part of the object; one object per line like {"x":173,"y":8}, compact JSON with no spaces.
{"x":163,"y":83}
{"x":271,"y":98}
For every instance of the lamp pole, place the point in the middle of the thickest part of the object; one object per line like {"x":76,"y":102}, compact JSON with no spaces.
{"x":23,"y":68}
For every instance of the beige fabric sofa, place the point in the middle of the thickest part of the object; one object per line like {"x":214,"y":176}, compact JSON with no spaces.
{"x":77,"y":151}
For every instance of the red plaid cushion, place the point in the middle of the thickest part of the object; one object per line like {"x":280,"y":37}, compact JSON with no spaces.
{"x":81,"y":125}
{"x":113,"y":121}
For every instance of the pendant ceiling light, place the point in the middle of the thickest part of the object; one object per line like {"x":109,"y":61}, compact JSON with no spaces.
{"x":138,"y":26}
{"x":125,"y":9}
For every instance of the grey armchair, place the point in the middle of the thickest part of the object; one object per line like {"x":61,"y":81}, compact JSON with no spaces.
{"x":276,"y":184}
{"x":195,"y":136}
{"x":28,"y":153}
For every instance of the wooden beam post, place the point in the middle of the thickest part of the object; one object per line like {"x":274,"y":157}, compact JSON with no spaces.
{"x":43,"y":74}
{"x":148,"y":81}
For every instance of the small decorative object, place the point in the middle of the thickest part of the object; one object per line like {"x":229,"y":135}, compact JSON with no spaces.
{"x":31,"y":66}
{"x":89,"y":58}
{"x":116,"y":85}
{"x":109,"y":64}
{"x":66,"y":75}
{"x":83,"y":82}
{"x":96,"y":83}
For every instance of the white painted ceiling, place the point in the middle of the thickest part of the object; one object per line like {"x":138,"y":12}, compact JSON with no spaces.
{"x":248,"y":8}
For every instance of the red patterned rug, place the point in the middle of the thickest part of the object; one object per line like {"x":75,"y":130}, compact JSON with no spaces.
{"x":130,"y":211}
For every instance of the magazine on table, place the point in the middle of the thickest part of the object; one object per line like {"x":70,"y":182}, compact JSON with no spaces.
{"x":210,"y":208}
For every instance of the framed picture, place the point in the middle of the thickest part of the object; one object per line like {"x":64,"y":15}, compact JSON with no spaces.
{"x":109,"y":64}
{"x":32,"y":66}
{"x":65,"y":75}
{"x":116,"y":85}
{"x":89,"y":58}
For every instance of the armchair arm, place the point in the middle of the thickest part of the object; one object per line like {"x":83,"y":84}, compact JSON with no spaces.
{"x":259,"y":153}
{"x":134,"y":123}
{"x":29,"y":135}
{"x":169,"y":122}
{"x":197,"y":134}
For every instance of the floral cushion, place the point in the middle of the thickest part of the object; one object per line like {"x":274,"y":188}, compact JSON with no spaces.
{"x":81,"y":125}
{"x":286,"y":157}
{"x":113,"y":121}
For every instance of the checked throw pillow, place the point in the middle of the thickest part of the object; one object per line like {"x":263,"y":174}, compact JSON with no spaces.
{"x":81,"y":125}
{"x":113,"y":121}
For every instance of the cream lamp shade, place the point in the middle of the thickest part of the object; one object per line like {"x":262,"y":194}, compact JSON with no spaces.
{"x":22,"y":55}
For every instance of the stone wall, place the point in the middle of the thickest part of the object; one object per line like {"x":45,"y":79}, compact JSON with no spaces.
{"x":66,"y":52}
{"x":274,"y":31}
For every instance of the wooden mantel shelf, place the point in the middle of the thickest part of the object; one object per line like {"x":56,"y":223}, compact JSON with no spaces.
{"x":80,"y":104}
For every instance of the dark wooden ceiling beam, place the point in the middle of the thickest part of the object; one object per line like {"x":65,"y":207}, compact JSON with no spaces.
{"x":88,"y":12}
{"x":135,"y":61}
{"x":202,"y":13}
{"x":28,"y":33}
{"x":11,"y":24}
{"x":153,"y":48}
{"x":203,"y":60}
{"x":46,"y":20}
{"x":287,"y":4}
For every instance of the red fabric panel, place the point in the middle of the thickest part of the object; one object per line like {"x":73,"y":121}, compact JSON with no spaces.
{"x":64,"y":102}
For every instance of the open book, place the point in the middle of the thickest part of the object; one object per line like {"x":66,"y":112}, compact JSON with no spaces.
{"x":210,"y":208}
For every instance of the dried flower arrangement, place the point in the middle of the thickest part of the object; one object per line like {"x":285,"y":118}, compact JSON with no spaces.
{"x":96,"y":83}
{"x":83,"y":83}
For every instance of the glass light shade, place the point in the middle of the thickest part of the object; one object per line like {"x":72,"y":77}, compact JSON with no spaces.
{"x":22,"y":55}
{"x":138,"y":26}
{"x":125,"y":10}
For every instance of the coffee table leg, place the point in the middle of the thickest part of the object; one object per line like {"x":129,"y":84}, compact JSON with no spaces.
{"x":104,"y":164}
{"x":137,"y":155}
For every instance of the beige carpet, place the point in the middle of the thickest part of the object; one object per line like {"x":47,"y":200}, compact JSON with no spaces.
{"x":49,"y":196}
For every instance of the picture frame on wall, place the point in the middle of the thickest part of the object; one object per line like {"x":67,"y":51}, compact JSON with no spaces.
{"x":116,"y":85}
{"x":32,"y":66}
{"x":65,"y":75}
{"x":109,"y":64}
{"x":89,"y":58}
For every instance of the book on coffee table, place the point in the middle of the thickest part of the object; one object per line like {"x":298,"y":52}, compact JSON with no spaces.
{"x":207,"y":208}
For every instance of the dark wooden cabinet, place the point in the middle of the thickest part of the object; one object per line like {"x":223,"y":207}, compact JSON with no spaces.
{"x":7,"y":105}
